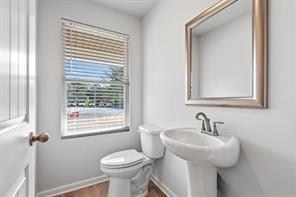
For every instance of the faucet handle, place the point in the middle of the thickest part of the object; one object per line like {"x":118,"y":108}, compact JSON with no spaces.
{"x":215,"y":130}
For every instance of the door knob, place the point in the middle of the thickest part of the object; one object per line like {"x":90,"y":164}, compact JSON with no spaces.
{"x":42,"y":137}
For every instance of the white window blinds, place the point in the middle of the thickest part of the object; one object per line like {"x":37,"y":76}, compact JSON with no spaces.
{"x":95,"y":63}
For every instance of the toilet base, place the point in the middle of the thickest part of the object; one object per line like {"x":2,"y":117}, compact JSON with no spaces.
{"x":131,"y":187}
{"x":119,"y":187}
{"x":139,"y":184}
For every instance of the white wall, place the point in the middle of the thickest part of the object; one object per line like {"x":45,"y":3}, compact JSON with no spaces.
{"x":267,"y":162}
{"x":60,"y":161}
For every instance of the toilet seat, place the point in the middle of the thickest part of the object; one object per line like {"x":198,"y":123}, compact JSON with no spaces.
{"x":124,"y":170}
{"x":122,"y":159}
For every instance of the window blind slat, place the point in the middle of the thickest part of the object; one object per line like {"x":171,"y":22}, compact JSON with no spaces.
{"x":70,"y":38}
{"x":76,"y":42}
{"x":85,"y":57}
{"x":102,"y":53}
{"x":96,"y":79}
{"x":72,"y":29}
{"x":91,"y":61}
{"x":89,"y":71}
{"x":71,"y":53}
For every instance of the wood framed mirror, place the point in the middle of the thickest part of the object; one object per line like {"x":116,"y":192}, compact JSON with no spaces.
{"x":226,"y":49}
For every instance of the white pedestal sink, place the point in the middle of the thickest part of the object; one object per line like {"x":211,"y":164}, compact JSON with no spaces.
{"x":203,"y":154}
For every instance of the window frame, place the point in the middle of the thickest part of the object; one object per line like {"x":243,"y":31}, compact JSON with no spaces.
{"x":127,"y":111}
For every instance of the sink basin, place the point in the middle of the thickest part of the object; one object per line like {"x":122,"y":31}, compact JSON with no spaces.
{"x":203,"y":153}
{"x":192,"y":145}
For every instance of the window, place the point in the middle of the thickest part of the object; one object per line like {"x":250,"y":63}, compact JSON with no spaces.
{"x":95,"y":64}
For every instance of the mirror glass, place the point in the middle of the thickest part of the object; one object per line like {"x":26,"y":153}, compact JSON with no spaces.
{"x":221,"y":54}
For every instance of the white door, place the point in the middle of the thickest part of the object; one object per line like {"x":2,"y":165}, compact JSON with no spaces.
{"x":17,"y":97}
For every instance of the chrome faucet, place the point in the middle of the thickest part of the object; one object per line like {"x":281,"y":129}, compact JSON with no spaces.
{"x":205,"y":120}
{"x":206,"y":125}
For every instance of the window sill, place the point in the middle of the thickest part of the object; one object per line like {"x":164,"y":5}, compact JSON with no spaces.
{"x":72,"y":135}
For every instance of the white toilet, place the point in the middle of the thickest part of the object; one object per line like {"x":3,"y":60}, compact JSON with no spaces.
{"x":130,"y":170}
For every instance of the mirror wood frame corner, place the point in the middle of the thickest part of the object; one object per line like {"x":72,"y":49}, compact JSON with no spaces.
{"x":259,"y":58}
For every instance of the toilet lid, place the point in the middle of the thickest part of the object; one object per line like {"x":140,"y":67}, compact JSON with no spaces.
{"x":122,"y":158}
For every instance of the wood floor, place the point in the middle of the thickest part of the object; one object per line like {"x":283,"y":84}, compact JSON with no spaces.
{"x":101,"y":190}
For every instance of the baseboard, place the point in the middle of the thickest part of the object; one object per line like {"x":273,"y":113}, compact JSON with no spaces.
{"x":163,"y":187}
{"x":95,"y":180}
{"x":72,"y":186}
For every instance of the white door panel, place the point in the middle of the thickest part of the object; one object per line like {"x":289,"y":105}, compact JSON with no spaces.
{"x":16,"y":155}
{"x":22,"y":57}
{"x":4,"y":59}
{"x":14,"y":49}
{"x":17,"y":97}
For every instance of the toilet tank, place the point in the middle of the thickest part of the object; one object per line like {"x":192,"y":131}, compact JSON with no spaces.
{"x":150,"y":141}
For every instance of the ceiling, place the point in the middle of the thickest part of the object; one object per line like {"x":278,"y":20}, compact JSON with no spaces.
{"x":134,"y":7}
